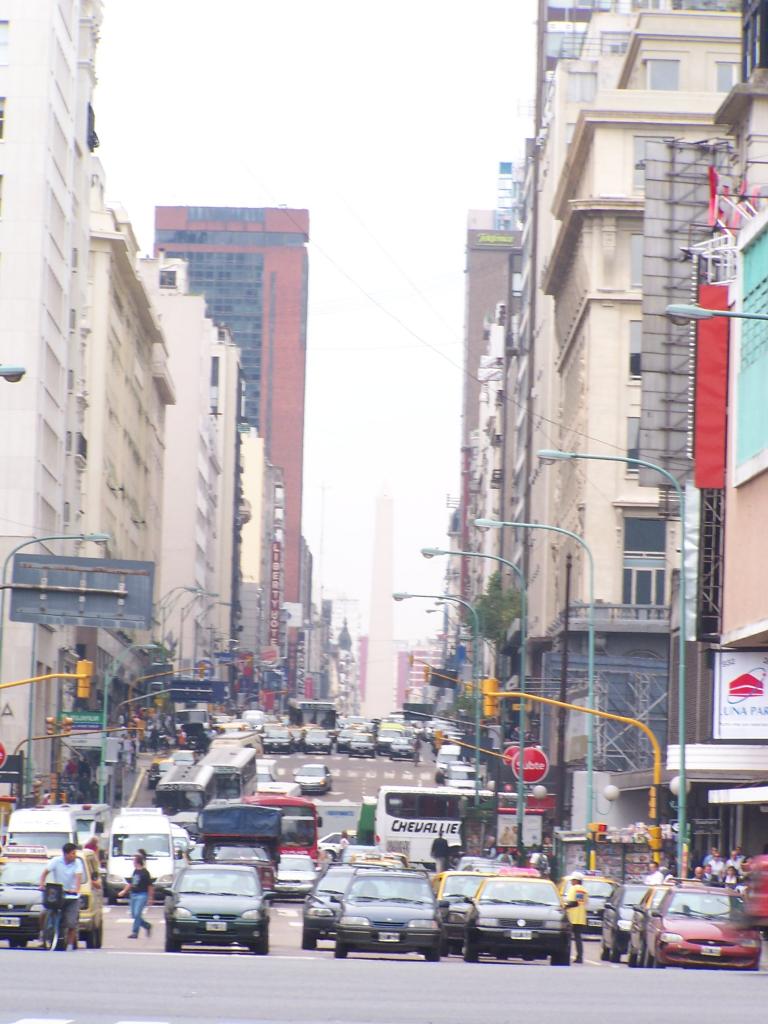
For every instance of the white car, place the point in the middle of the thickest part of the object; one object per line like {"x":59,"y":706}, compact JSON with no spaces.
{"x":458,"y":775}
{"x":313,"y":778}
{"x":296,"y":875}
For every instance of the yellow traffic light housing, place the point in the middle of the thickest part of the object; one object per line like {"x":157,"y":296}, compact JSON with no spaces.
{"x":654,"y":838}
{"x":66,"y":725}
{"x":50,"y":726}
{"x":84,"y":672}
{"x":597,"y":831}
{"x":490,"y":702}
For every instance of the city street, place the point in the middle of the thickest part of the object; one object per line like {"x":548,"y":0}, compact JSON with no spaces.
{"x":142,"y":986}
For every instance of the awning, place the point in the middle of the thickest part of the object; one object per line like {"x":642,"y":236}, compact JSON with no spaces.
{"x":745,"y":795}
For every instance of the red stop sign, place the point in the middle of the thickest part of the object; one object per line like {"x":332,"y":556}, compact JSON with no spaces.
{"x":509,"y":754}
{"x":535,"y":765}
{"x":3,"y":755}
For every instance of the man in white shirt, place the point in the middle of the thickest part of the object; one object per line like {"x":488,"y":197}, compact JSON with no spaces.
{"x":66,"y":871}
{"x":655,"y":876}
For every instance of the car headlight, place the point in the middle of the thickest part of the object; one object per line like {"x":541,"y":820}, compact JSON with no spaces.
{"x":116,"y":880}
{"x":624,"y":926}
{"x":671,"y":937}
{"x":251,"y":915}
{"x":164,"y":880}
{"x":182,"y":914}
{"x":36,"y":908}
{"x":319,"y":912}
{"x":749,"y":943}
{"x":488,"y":922}
{"x":425,"y":924}
{"x":355,"y":922}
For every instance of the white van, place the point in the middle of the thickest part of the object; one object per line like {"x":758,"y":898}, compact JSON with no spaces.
{"x":50,"y":827}
{"x":134,"y":829}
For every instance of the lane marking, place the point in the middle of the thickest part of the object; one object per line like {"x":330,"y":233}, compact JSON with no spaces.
{"x":44,"y":1020}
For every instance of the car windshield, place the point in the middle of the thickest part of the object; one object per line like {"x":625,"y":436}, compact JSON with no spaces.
{"x":335,"y":882}
{"x":311,"y":769}
{"x":709,"y":905}
{"x":317,"y":734}
{"x":298,"y":829}
{"x":291,"y":862}
{"x":460,"y":771}
{"x":218,"y":883}
{"x":212,"y":852}
{"x":23,"y":873}
{"x":599,"y":889}
{"x":153,"y":845}
{"x":50,"y":840}
{"x":633,"y":895}
{"x":520,"y":892}
{"x":277,"y":734}
{"x":461,"y":885}
{"x":390,"y":890}
{"x":362,"y":737}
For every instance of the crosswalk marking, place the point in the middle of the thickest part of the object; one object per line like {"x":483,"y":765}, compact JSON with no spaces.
{"x":44,"y":1020}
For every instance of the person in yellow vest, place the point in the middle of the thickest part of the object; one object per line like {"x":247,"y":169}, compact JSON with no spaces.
{"x":576,"y":903}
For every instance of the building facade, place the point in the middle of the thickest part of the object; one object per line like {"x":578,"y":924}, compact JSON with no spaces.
{"x":251,"y":266}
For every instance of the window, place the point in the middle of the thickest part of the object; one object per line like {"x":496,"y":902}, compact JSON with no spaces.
{"x":614,"y":42}
{"x":3,"y":42}
{"x":635,"y":348}
{"x":582,"y":86}
{"x":727,"y":75}
{"x":636,"y":261}
{"x":2,"y":117}
{"x":633,"y":437}
{"x":645,"y":542}
{"x":663,"y":74}
{"x":167,"y":278}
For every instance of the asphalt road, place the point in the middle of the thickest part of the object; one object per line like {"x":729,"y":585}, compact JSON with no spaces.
{"x":145,"y":987}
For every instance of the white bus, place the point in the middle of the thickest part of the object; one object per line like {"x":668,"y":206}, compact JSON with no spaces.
{"x":234,"y":770}
{"x":409,"y":819}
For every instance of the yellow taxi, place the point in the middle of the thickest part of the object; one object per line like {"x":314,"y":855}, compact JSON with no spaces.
{"x":22,"y":909}
{"x":599,"y":887}
{"x":453,"y":892}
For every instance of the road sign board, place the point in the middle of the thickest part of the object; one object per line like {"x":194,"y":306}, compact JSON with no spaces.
{"x":224,"y":657}
{"x":535,"y":765}
{"x":204,"y":668}
{"x":269,"y":655}
{"x":12,"y":770}
{"x":58,"y":590}
{"x":3,"y":755}
{"x":509,"y":754}
{"x":82,"y":723}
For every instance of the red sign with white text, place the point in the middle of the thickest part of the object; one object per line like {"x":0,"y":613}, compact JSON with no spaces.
{"x":535,"y":765}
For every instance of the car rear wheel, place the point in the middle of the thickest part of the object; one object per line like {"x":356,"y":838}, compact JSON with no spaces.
{"x":171,"y":944}
{"x":261,"y":948}
{"x":561,"y":959}
{"x":340,"y":952}
{"x":432,"y":956}
{"x":308,"y":941}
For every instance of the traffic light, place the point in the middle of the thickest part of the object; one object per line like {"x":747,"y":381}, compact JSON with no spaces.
{"x":66,"y":725}
{"x":490,"y":701}
{"x":84,"y":672}
{"x":598,"y":831}
{"x":50,"y":726}
{"x":654,"y":838}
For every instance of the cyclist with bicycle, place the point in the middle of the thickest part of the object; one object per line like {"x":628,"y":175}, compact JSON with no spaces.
{"x":67,"y":872}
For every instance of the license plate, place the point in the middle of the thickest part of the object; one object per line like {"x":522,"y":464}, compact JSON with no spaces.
{"x":594,"y":921}
{"x":215,"y":926}
{"x":10,"y":922}
{"x":516,"y":933}
{"x":711,"y":951}
{"x":389,"y":937}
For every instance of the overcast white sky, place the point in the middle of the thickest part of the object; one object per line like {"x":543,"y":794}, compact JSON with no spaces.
{"x":387,"y":121}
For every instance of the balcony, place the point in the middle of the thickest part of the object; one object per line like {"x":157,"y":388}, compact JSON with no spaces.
{"x":616,"y":618}
{"x":80,"y":451}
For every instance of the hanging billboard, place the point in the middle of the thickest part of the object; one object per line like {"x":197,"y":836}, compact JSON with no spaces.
{"x":741,"y":695}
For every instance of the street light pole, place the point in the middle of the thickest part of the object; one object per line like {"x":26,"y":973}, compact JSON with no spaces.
{"x":475,"y":666}
{"x":682,"y":812}
{"x":590,"y":640}
{"x":430,"y":553}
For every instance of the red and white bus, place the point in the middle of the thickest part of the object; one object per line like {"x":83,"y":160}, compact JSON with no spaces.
{"x":300,"y":821}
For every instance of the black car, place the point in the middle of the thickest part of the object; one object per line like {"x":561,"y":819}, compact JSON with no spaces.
{"x":389,"y":912}
{"x":520,"y":917}
{"x":20,"y":901}
{"x":617,"y":919}
{"x":317,"y":741}
{"x":277,"y":741}
{"x":217,"y":905}
{"x":361,"y":744}
{"x":342,"y":740}
{"x":322,"y":906}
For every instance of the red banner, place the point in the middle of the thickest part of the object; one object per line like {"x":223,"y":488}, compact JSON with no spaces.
{"x":275,"y":592}
{"x":711,"y":396}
